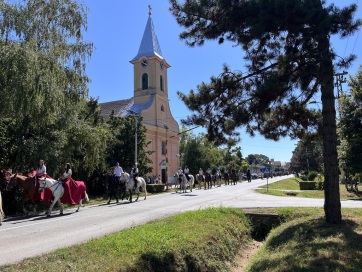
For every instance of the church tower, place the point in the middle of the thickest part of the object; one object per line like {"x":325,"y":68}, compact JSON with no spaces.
{"x":151,"y":101}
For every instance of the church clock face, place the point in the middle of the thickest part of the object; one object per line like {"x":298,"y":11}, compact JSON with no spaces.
{"x":144,"y":63}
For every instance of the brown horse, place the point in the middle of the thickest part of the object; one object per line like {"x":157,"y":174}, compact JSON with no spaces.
{"x":27,"y":183}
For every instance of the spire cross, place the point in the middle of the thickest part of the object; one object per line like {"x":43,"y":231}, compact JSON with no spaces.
{"x":149,"y":9}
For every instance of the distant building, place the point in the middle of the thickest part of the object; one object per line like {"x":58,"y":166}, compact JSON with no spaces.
{"x":150,"y":100}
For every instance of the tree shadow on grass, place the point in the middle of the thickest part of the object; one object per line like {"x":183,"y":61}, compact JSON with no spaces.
{"x":314,"y":245}
{"x":167,"y":262}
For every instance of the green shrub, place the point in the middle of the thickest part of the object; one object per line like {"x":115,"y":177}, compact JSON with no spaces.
{"x":307,"y":185}
{"x":312,"y":175}
{"x":155,"y":188}
{"x":320,"y":185}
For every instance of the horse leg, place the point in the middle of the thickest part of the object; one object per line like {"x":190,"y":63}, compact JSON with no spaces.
{"x":23,"y":205}
{"x":61,"y":207}
{"x":110,"y":197}
{"x":130,"y":195}
{"x":34,"y":205}
{"x":48,"y":213}
{"x":138,"y":193}
{"x":145,"y":188}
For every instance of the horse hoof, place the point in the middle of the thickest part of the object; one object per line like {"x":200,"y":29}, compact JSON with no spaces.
{"x":108,"y":202}
{"x":61,"y":213}
{"x":48,"y":215}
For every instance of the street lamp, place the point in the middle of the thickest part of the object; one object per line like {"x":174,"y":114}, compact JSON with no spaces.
{"x":135,"y":136}
{"x":181,"y":155}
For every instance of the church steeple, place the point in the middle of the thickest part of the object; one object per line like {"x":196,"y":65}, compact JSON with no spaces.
{"x":149,"y":45}
{"x":150,"y":67}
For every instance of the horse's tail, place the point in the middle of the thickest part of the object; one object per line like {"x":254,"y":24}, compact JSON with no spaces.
{"x":1,"y":209}
{"x":86,"y":197}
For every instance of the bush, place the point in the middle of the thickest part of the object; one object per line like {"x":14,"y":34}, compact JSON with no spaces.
{"x":155,"y":188}
{"x":320,"y":185}
{"x":307,"y":185}
{"x":312,"y":175}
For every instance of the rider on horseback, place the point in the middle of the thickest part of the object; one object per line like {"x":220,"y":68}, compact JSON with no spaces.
{"x":186,"y":172}
{"x":67,"y":173}
{"x":117,"y":172}
{"x":134,"y":173}
{"x":180,"y":173}
{"x":208,"y":172}
{"x":40,"y":171}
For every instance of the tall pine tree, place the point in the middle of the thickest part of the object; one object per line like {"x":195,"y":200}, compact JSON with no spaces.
{"x":288,"y":60}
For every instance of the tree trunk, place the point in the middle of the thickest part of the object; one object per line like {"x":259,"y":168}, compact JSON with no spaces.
{"x":332,"y":203}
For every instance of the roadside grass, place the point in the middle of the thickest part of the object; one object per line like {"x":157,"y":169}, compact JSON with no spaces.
{"x":307,"y":243}
{"x":204,"y":240}
{"x":208,"y":240}
{"x":290,"y":187}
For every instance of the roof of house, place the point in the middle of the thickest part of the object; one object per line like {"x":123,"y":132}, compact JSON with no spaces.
{"x":123,"y":108}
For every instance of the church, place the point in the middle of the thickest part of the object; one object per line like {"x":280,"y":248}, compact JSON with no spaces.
{"x":150,"y":100}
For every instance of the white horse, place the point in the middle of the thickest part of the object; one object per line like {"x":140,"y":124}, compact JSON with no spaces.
{"x":57,"y":189}
{"x":1,"y":210}
{"x":185,"y":182}
{"x":125,"y":177}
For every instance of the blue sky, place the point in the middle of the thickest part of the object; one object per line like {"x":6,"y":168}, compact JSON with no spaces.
{"x":116,"y":28}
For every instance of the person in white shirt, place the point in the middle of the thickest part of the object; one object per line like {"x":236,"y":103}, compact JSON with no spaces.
{"x":117,"y":172}
{"x":40,"y":171}
{"x":67,"y":173}
{"x":134,"y":173}
{"x":186,"y":171}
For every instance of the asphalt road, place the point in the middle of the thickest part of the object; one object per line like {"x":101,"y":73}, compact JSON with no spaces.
{"x":32,"y":236}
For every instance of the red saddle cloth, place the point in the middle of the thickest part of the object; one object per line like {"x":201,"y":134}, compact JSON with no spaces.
{"x":74,"y":191}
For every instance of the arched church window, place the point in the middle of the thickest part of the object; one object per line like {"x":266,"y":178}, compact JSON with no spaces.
{"x":144,"y":81}
{"x":162,"y":108}
{"x":161,"y":83}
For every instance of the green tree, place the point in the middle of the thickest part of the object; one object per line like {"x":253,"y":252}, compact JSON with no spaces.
{"x":44,"y":96}
{"x":121,"y":146}
{"x":350,"y":126}
{"x":288,"y":57}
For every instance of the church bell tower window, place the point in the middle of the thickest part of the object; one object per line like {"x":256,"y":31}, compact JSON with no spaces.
{"x":161,"y":83}
{"x":145,"y":81}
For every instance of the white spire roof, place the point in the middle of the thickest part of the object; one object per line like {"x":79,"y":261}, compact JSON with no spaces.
{"x":149,"y":45}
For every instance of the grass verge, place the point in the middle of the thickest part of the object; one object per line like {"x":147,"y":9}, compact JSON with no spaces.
{"x":306,"y":243}
{"x":205,"y":240}
{"x":290,"y":187}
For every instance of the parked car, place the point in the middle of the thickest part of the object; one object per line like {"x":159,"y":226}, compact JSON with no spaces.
{"x":255,"y":176}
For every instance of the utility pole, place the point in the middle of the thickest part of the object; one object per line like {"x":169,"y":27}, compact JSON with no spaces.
{"x":135,"y":136}
{"x":340,"y":78}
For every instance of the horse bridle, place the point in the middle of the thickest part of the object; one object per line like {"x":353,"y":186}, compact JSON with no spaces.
{"x":44,"y":183}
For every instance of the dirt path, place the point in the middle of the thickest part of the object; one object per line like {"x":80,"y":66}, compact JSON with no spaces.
{"x":244,"y":256}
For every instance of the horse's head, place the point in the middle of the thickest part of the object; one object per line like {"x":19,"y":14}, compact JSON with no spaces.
{"x":42,"y":184}
{"x":12,"y":182}
{"x":124,"y":177}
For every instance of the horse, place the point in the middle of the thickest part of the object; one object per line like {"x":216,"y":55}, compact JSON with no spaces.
{"x":57,"y":188}
{"x":216,"y":179}
{"x":184,"y":182}
{"x":200,"y":178}
{"x":2,"y":215}
{"x":27,"y":183}
{"x":227,"y":178}
{"x":208,"y":181}
{"x":234,"y":177}
{"x":129,"y":185}
{"x":113,"y":184}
